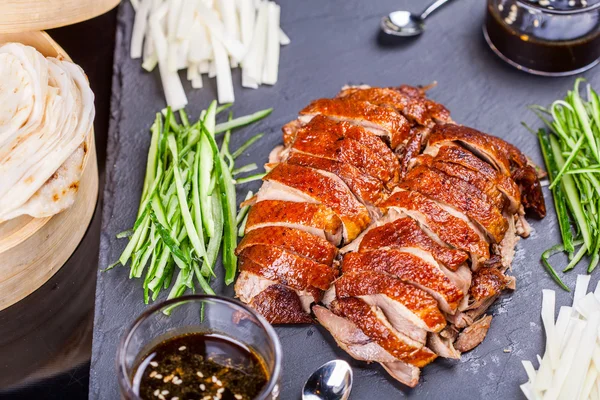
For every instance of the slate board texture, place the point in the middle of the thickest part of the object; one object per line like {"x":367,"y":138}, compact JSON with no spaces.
{"x":337,"y":42}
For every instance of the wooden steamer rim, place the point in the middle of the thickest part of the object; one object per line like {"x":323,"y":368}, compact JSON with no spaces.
{"x":32,"y":250}
{"x":35,"y":15}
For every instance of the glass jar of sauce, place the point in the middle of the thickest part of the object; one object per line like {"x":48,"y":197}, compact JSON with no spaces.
{"x":545,"y":37}
{"x":207,"y":347}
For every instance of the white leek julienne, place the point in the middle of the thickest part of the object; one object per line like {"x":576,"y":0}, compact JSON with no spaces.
{"x":570,"y":367}
{"x":247,"y":34}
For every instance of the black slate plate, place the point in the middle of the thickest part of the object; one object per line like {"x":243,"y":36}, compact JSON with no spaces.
{"x":335,"y":43}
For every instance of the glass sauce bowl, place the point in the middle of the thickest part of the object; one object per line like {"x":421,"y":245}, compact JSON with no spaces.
{"x":545,"y":37}
{"x":202,"y":314}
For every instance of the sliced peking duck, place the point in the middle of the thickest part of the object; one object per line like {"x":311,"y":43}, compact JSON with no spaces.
{"x":389,"y":224}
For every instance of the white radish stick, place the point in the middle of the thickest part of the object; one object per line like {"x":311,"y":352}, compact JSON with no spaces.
{"x":583,"y":356}
{"x":271,"y":67}
{"x":139,"y":28}
{"x":581,"y":287}
{"x":284,"y":40}
{"x":224,"y":81}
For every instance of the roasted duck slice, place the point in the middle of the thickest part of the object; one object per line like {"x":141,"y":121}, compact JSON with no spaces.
{"x":473,"y":335}
{"x":442,"y":346}
{"x":412,"y":149}
{"x":455,"y":154}
{"x":413,"y":108}
{"x":285,"y":267}
{"x":318,"y":187}
{"x":300,"y":242}
{"x":349,"y":143}
{"x":503,"y":156}
{"x":350,"y":338}
{"x":313,"y":218}
{"x":361,"y":347}
{"x":382,"y":121}
{"x":409,"y":268}
{"x":405,"y":232}
{"x":402,"y":303}
{"x":459,"y":194}
{"x":280,"y":305}
{"x":474,"y":178}
{"x":440,"y":223}
{"x":249,"y":285}
{"x":367,"y":189}
{"x":437,"y":111}
{"x":488,"y":283}
{"x":374,"y":324}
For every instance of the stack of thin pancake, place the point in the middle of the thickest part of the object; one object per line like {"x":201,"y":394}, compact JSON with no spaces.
{"x":46,"y":112}
{"x":428,"y":213}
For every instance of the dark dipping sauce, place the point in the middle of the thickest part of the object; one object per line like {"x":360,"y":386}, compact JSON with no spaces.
{"x":553,"y":44}
{"x":200,"y":367}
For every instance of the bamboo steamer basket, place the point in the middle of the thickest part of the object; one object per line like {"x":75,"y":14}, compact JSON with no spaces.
{"x":32,"y":250}
{"x":35,"y":15}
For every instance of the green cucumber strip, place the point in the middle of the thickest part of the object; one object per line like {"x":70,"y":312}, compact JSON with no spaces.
{"x":228,"y":204}
{"x":243,"y":210}
{"x":168,"y":240}
{"x":135,"y":238}
{"x":567,"y":163}
{"x":214,"y":244}
{"x":246,"y":145}
{"x":250,"y":178}
{"x":241,"y":121}
{"x":547,"y":254}
{"x":223,"y":107}
{"x":245,"y":168}
{"x":183,"y":205}
{"x":572,"y":195}
{"x":558,"y":195}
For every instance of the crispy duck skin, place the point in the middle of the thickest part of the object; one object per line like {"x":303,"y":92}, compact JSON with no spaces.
{"x":412,"y":148}
{"x":367,"y":189}
{"x":280,"y":305}
{"x":447,"y":227}
{"x":468,"y":175}
{"x":415,"y":109}
{"x":410,"y":302}
{"x":457,"y":193}
{"x":310,"y":217}
{"x":405,"y":232}
{"x":295,"y":240}
{"x":476,"y":142}
{"x":352,"y":144}
{"x":325,"y":190}
{"x":437,"y":111}
{"x":409,"y":268}
{"x":373,"y":323}
{"x":488,"y":282}
{"x":287,"y":268}
{"x":503,"y":156}
{"x":458,"y":155}
{"x":382,"y":121}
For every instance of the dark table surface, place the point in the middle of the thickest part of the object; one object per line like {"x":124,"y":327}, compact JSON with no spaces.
{"x":334,"y":43}
{"x":46,"y":339}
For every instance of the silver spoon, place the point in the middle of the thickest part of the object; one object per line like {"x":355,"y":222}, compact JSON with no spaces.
{"x":404,"y":23}
{"x":332,"y":381}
